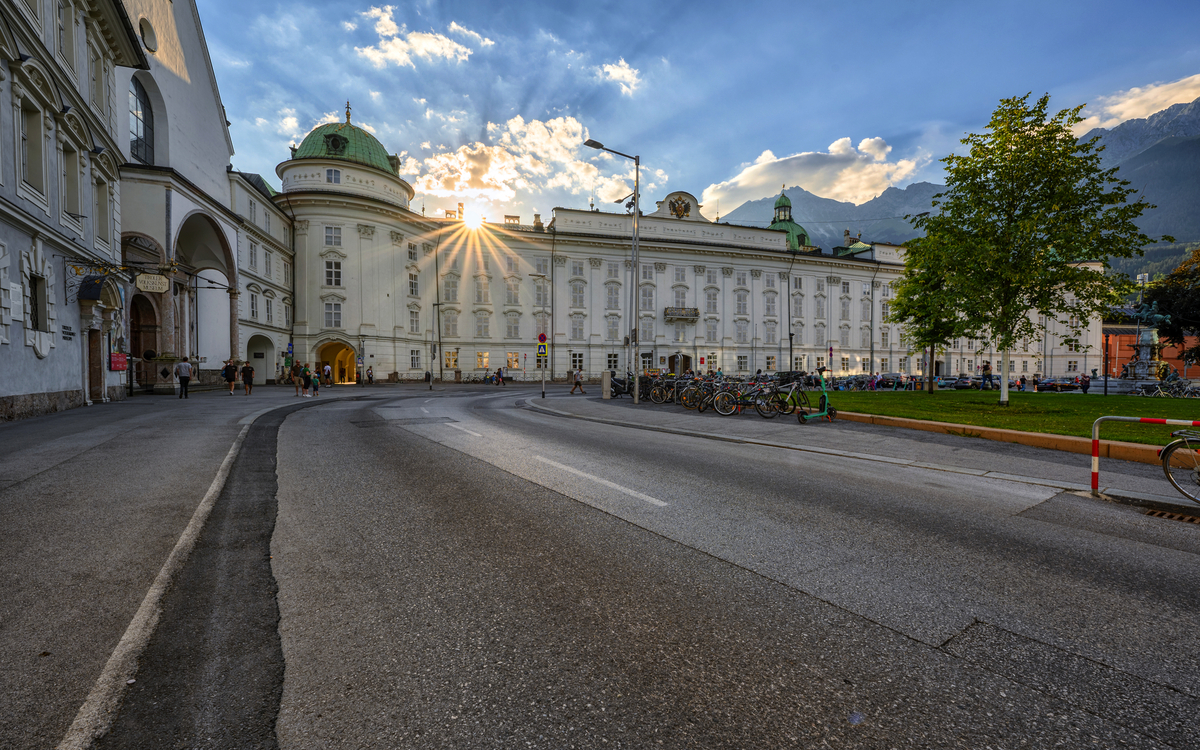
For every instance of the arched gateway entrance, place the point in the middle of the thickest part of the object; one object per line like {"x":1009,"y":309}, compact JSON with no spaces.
{"x":338,"y":356}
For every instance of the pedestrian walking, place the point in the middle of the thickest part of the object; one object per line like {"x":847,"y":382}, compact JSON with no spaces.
{"x":306,"y":379}
{"x":578,"y":383}
{"x":1085,"y":382}
{"x":183,"y":371}
{"x":229,"y":372}
{"x":295,"y":372}
{"x":247,"y":378}
{"x":987,"y":376}
{"x":328,"y":374}
{"x":499,"y":376}
{"x":370,"y":376}
{"x":1023,"y":382}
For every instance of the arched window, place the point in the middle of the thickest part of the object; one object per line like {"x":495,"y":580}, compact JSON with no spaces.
{"x":141,"y":123}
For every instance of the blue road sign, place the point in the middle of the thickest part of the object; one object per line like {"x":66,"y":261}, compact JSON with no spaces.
{"x":541,"y":350}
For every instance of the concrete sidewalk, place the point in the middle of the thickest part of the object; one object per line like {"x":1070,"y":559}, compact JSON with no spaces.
{"x":1121,"y":481}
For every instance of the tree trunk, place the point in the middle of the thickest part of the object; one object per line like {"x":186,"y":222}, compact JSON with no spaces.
{"x":1004,"y":378}
{"x":929,"y":371}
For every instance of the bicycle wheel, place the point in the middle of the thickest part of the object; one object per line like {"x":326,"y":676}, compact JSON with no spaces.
{"x":725,"y":403}
{"x":764,"y":407}
{"x":690,"y":397}
{"x":782,"y":404}
{"x":658,"y":394}
{"x":1181,"y":464}
{"x":705,"y":402}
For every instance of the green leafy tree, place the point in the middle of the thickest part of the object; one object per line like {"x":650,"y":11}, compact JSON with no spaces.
{"x":925,"y":304}
{"x":1025,"y":229}
{"x":1178,"y":296}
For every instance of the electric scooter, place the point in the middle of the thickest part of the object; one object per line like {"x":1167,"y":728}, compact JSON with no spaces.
{"x":804,"y":409}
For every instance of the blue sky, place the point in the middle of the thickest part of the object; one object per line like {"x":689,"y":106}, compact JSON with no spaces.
{"x":488,"y":102}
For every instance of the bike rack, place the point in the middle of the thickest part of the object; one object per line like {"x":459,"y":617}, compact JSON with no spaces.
{"x":1142,"y":420}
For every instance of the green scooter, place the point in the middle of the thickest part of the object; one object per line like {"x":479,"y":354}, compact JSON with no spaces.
{"x":804,"y":408}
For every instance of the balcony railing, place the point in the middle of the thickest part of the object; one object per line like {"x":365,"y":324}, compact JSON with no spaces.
{"x":681,"y":313}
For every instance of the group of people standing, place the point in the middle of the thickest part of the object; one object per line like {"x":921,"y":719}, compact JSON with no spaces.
{"x":306,"y":380}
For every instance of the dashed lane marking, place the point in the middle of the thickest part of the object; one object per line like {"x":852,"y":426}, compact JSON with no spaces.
{"x":464,"y":429}
{"x":424,"y":410}
{"x":605,"y":482}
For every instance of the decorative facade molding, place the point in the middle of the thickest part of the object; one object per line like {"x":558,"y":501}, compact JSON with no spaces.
{"x":367,"y":230}
{"x":397,"y":237}
{"x":596,"y":262}
{"x":560,"y":260}
{"x":726,"y":271}
{"x":660,"y":267}
{"x":755,"y":273}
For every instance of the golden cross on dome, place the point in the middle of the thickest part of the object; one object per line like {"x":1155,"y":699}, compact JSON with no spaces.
{"x":347,"y":111}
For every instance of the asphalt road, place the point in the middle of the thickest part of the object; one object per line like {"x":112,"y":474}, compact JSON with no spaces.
{"x":461,"y":572}
{"x":453,"y":569}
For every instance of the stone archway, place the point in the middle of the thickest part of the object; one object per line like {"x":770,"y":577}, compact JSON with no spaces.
{"x":340,"y":357}
{"x":260,"y":353}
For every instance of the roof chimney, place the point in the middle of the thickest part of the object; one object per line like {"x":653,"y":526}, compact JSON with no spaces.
{"x":537,"y":223}
{"x":846,"y":239}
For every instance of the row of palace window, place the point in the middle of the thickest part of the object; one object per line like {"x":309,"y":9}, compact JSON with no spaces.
{"x":285,"y":268}
{"x":33,"y":174}
{"x":98,"y":72}
{"x":269,"y":308}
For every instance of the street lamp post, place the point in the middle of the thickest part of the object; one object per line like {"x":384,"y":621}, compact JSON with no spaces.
{"x":542,"y":278}
{"x":633,"y":271}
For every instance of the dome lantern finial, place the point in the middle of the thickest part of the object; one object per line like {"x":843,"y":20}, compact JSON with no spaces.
{"x":347,"y":111}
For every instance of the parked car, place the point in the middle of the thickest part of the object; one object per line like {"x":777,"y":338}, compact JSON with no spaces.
{"x":1058,"y":385}
{"x":963,"y":383}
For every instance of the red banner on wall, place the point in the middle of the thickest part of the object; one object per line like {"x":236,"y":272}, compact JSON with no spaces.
{"x":118,"y":361}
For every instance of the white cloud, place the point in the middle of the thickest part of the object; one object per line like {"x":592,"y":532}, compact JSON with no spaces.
{"x":620,"y":72}
{"x":398,"y":45}
{"x":349,"y":25}
{"x":1138,"y":102}
{"x":843,"y":173}
{"x":529,"y":156}
{"x":375,"y":95}
{"x":479,"y":39}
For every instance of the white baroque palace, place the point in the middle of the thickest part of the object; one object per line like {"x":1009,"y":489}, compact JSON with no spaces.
{"x":408,"y":294}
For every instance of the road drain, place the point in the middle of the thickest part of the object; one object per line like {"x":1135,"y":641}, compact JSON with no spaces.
{"x":1173,"y":516}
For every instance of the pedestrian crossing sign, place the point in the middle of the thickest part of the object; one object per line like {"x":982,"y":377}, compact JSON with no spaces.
{"x":541,"y":350}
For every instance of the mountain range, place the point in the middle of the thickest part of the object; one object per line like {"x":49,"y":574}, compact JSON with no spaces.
{"x":1159,"y":155}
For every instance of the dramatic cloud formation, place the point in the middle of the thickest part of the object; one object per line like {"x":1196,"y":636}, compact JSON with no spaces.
{"x":1138,"y":102}
{"x":398,"y":45}
{"x":475,"y":36}
{"x":620,"y":72}
{"x":525,"y":157}
{"x":843,"y":173}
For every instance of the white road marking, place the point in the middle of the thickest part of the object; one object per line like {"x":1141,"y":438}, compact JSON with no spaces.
{"x":428,"y":400}
{"x":605,"y":482}
{"x":464,"y":429}
{"x":424,"y":410}
{"x":98,"y":711}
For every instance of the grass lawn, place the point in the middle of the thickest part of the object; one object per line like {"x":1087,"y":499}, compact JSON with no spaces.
{"x":1055,"y":413}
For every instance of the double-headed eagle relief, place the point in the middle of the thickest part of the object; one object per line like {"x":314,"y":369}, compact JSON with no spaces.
{"x":680,"y":207}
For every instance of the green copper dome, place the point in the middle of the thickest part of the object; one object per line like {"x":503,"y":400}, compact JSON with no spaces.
{"x":341,"y":140}
{"x":782,"y":201}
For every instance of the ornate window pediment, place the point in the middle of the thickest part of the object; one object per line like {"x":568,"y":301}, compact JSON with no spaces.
{"x":332,"y":297}
{"x":414,"y":305}
{"x":331,"y":252}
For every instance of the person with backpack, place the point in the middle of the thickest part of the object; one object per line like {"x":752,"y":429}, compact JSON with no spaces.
{"x":230,"y":373}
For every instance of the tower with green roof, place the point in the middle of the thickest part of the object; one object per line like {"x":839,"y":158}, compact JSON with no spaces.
{"x":797,"y":236}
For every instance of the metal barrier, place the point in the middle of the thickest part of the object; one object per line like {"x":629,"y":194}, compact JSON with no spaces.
{"x":1142,"y":420}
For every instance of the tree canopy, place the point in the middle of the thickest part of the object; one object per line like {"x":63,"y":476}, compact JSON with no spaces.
{"x":1178,"y":295}
{"x":1025,"y":228}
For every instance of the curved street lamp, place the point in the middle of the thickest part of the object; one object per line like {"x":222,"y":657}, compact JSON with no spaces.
{"x":633,"y":271}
